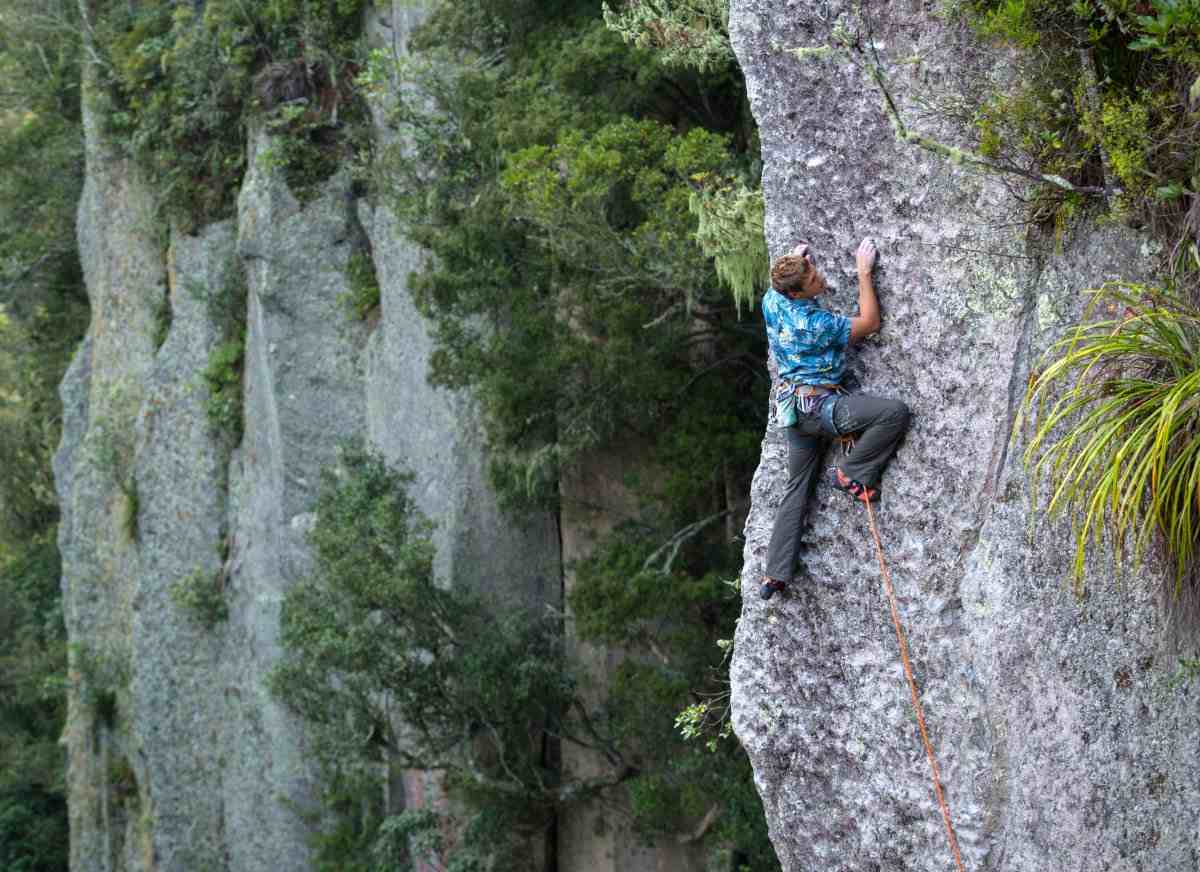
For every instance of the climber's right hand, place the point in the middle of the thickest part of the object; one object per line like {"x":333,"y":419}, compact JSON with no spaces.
{"x":866,"y":256}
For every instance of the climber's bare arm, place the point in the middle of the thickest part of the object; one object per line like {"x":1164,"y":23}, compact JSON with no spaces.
{"x":867,"y":320}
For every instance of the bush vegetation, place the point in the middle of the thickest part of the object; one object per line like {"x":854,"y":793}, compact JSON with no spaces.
{"x":201,"y":594}
{"x":43,"y":313}
{"x":568,"y":287}
{"x":1106,"y":96}
{"x":363,"y":295}
{"x":179,"y":84}
{"x":392,"y":666}
{"x":387,"y":663}
{"x":226,"y":360}
{"x":588,"y":208}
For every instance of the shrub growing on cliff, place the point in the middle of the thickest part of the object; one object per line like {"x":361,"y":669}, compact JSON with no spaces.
{"x":1104,"y":98}
{"x":201,"y":593}
{"x":1118,"y":425}
{"x":363,"y":295}
{"x":179,"y":82}
{"x":223,"y":375}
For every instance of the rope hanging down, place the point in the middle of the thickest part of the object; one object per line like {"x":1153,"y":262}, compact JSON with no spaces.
{"x":912,"y":686}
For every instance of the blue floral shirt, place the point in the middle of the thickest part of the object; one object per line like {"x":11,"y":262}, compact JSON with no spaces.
{"x":808,"y":343}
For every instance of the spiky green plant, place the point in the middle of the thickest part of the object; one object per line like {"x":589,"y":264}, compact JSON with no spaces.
{"x":1118,"y":425}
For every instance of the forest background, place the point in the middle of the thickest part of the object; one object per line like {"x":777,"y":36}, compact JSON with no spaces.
{"x":589,"y":204}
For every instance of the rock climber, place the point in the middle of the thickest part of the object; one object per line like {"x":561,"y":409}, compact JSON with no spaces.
{"x":809,"y":345}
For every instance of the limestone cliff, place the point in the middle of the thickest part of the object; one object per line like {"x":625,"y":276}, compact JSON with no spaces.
{"x":179,"y":758}
{"x":1063,"y":744}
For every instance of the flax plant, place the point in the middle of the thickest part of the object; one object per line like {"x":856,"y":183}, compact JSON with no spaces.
{"x":1118,"y":426}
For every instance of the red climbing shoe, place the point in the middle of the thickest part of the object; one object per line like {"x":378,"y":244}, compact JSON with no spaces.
{"x":856,"y":490}
{"x":770,"y":587}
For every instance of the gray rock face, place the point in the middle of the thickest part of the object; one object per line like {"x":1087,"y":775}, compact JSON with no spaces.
{"x":1062,"y":743}
{"x":303,"y":394}
{"x":438,"y":435}
{"x":95,"y":468}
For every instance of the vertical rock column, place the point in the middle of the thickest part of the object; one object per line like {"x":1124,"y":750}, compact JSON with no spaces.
{"x":175,"y":712}
{"x":1055,"y":721}
{"x":122,"y":253}
{"x":303,"y":393}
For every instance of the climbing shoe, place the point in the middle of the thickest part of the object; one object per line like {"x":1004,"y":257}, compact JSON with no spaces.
{"x":856,"y":490}
{"x":770,"y":587}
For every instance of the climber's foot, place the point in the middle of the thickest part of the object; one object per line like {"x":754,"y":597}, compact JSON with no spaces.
{"x":770,"y":587}
{"x":856,"y":490}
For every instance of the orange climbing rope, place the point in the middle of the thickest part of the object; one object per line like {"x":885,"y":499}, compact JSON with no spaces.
{"x":912,"y":686}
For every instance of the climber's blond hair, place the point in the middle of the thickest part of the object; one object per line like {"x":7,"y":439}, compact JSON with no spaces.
{"x":788,"y":273}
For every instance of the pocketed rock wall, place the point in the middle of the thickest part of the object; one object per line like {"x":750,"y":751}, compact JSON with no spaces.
{"x":1063,"y":743}
{"x":178,"y":757}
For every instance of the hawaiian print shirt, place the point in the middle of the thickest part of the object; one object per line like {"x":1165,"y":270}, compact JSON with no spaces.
{"x":809,"y":344}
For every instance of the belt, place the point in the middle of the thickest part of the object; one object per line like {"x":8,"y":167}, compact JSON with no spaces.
{"x":816,"y":390}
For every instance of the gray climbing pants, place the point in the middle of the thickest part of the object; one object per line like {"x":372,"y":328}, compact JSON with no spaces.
{"x":879,"y":423}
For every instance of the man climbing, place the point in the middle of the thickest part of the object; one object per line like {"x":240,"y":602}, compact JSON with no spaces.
{"x":809,"y":345}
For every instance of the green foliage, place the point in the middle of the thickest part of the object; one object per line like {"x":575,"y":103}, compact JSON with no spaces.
{"x":1116,"y":425}
{"x":1125,"y":131}
{"x":363,"y":295}
{"x":677,"y":663}
{"x":33,"y":832}
{"x":1187,"y":672}
{"x":223,"y":375}
{"x":552,"y":179}
{"x":178,"y":88}
{"x":614,"y":202}
{"x":100,"y":678}
{"x":685,"y":33}
{"x":389,"y":667}
{"x":43,"y":313}
{"x":385,"y":664}
{"x":1172,"y":30}
{"x":568,"y":287}
{"x":32,"y":708}
{"x":226,"y":361}
{"x":730,"y":231}
{"x":1104,"y":98}
{"x":201,"y":593}
{"x":32,"y":359}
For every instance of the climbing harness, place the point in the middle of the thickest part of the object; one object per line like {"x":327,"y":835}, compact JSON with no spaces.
{"x":912,"y":686}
